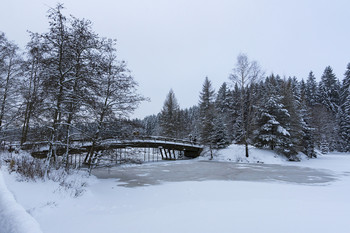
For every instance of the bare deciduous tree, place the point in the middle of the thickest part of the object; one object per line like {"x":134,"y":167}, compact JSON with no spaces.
{"x":115,"y":93}
{"x":244,"y":75}
{"x":10,"y":70}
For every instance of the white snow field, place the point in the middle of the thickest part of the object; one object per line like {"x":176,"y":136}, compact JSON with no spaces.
{"x":162,"y":197}
{"x":13,"y":217}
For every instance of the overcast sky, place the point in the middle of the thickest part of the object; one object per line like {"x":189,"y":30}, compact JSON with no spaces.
{"x":177,"y":43}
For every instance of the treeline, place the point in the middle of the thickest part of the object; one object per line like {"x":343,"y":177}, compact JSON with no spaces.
{"x":283,"y":114}
{"x":67,"y":84}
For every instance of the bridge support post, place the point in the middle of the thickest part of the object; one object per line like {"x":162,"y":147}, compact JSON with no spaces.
{"x":170,"y":157}
{"x":166,"y":154}
{"x":161,"y":153}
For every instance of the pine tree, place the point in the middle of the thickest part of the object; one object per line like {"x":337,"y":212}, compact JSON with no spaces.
{"x":344,"y":112}
{"x":292,"y":100}
{"x":221,"y":102}
{"x":274,"y":124}
{"x":311,"y":90}
{"x":219,"y":138}
{"x":235,"y":120}
{"x":329,"y":90}
{"x":207,"y":112}
{"x":268,"y":112}
{"x":307,"y":142}
{"x":222,"y":119}
{"x":169,"y":116}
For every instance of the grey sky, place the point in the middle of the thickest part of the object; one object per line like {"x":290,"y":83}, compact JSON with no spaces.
{"x":176,"y":43}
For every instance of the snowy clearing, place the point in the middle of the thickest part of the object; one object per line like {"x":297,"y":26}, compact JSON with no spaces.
{"x":264,"y":202}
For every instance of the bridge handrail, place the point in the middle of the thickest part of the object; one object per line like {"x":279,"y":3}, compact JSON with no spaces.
{"x":30,"y":145}
{"x":157,"y":138}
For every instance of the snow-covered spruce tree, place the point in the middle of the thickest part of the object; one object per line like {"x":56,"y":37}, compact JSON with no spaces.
{"x":328,"y":97}
{"x":273,"y":123}
{"x":10,"y":70}
{"x":188,"y":120}
{"x":307,"y":142}
{"x":266,"y":123}
{"x":192,"y":122}
{"x":207,"y":113}
{"x":184,"y":126}
{"x":344,"y":111}
{"x":311,"y":90}
{"x":292,"y":100}
{"x":329,"y":90}
{"x":219,"y":137}
{"x":245,"y":74}
{"x":151,"y":125}
{"x":345,"y":126}
{"x":235,"y":116}
{"x":169,"y":116}
{"x":345,"y":88}
{"x":323,"y":122}
{"x":222,"y":119}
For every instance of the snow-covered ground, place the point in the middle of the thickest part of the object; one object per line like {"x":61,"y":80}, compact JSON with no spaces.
{"x":13,"y":217}
{"x":199,"y":205}
{"x":236,"y":153}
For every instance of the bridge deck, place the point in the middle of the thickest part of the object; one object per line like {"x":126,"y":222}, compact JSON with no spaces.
{"x":189,"y":148}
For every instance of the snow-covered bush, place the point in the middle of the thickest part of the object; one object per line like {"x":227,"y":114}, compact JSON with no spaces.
{"x":29,"y":168}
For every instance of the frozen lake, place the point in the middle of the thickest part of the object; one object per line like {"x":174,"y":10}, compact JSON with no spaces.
{"x":197,"y":196}
{"x":194,"y":170}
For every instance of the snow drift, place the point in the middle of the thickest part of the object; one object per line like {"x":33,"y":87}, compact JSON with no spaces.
{"x":13,"y":217}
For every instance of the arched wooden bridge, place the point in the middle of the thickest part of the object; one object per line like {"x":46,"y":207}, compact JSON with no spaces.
{"x":166,"y":146}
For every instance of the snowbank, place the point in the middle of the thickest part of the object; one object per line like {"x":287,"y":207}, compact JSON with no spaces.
{"x":13,"y":217}
{"x":236,"y":153}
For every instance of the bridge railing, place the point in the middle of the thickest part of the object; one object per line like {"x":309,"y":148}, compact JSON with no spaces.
{"x":155,"y":139}
{"x":84,"y":142}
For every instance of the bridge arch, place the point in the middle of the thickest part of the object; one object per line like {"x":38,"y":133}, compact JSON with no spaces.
{"x":168,"y":148}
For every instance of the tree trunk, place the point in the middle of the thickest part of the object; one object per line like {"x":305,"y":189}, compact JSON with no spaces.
{"x":4,"y":99}
{"x":246,"y":150}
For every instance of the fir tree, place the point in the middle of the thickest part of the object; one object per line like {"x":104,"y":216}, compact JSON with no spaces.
{"x":169,"y":116}
{"x":273,"y":128}
{"x":329,"y":90}
{"x":222,"y":119}
{"x":311,"y":91}
{"x":207,"y":112}
{"x":235,"y":117}
{"x":344,"y":112}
